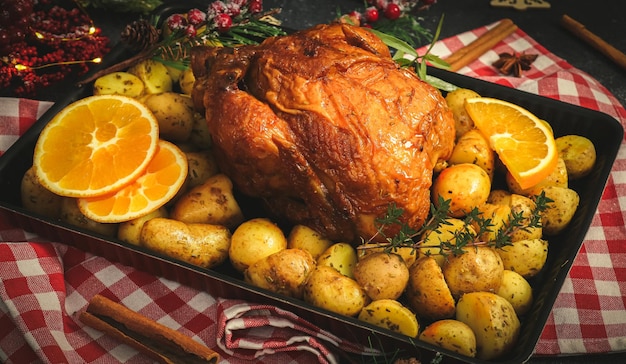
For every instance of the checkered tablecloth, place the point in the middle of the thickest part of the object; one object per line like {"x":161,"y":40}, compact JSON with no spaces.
{"x":44,"y":285}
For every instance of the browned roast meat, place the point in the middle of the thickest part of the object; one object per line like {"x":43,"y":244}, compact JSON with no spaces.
{"x":324,"y":127}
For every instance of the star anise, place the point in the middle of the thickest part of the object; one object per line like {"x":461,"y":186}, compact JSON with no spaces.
{"x":514,"y":63}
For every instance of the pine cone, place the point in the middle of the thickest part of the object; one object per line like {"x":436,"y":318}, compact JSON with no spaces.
{"x":140,"y":34}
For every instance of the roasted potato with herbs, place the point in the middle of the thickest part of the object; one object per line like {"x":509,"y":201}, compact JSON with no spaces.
{"x":341,"y":256}
{"x":303,"y":237}
{"x":212,"y":202}
{"x":154,"y":75}
{"x":452,"y":335}
{"x":391,"y":315}
{"x":284,"y":272}
{"x":578,"y":153}
{"x":119,"y":83}
{"x":130,"y":231}
{"x":456,"y":103}
{"x":520,"y":205}
{"x":328,"y":289}
{"x":493,"y":320}
{"x":479,"y":268}
{"x":560,"y":211}
{"x":499,"y":216}
{"x":200,"y":135}
{"x":175,"y":114}
{"x":517,"y":291}
{"x":38,"y":199}
{"x":204,"y":245}
{"x":202,"y":165}
{"x":466,"y":185}
{"x":473,"y":147}
{"x":186,"y":81}
{"x":253,"y":240}
{"x":526,"y":257}
{"x":427,"y":292}
{"x":382,"y":275}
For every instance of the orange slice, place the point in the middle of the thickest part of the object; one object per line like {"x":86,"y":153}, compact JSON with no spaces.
{"x":523,"y":142}
{"x":160,"y":182}
{"x":95,"y":145}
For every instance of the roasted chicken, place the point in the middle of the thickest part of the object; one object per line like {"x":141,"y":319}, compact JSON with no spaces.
{"x":324,"y":127}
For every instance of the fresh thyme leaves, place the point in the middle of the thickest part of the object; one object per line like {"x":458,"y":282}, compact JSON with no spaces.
{"x":476,"y":225}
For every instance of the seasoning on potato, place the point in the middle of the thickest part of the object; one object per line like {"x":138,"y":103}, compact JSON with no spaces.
{"x":456,"y":103}
{"x":341,"y":256}
{"x":578,"y":153}
{"x":560,"y":211}
{"x":427,"y":292}
{"x":253,"y":240}
{"x":119,"y":83}
{"x":391,"y":315}
{"x":284,"y":272}
{"x":175,"y":113}
{"x":382,"y":275}
{"x":473,"y":147}
{"x":303,"y":237}
{"x":38,"y":199}
{"x":493,"y":321}
{"x":452,"y":335}
{"x":526,"y":257}
{"x":328,"y":289}
{"x":479,"y":268}
{"x":466,"y":185}
{"x":204,"y":245}
{"x":517,"y":291}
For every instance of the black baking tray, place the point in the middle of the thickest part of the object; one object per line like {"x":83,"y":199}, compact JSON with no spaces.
{"x":603,"y":130}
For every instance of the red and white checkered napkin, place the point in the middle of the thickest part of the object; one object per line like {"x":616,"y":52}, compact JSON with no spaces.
{"x":589,"y":315}
{"x":45,"y":286}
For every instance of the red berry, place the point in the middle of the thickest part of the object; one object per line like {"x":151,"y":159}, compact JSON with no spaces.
{"x":392,"y":11}
{"x":223,"y":22}
{"x":195,"y":16}
{"x":176,"y":21}
{"x":371,"y":14}
{"x":190,"y":31}
{"x":256,"y":6}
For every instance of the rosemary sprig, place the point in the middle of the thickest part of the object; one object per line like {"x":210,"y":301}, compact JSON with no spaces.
{"x":475,"y":226}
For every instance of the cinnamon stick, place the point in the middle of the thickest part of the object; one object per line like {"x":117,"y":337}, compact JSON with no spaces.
{"x":481,"y":45}
{"x":590,"y":38}
{"x":163,"y":344}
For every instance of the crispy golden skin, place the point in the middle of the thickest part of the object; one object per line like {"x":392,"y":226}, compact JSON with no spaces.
{"x":324,"y":127}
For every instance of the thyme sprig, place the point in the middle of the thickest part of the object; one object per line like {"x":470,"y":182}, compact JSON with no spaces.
{"x":475,"y":227}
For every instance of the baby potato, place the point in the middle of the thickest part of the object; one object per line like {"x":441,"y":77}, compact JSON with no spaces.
{"x":303,"y":237}
{"x":119,"y":83}
{"x":559,"y":212}
{"x":382,"y":275}
{"x":186,"y":81}
{"x":130,"y":231}
{"x":456,"y":103}
{"x":452,"y":335}
{"x":200,"y":135}
{"x":447,"y":231}
{"x":558,"y":177}
{"x":391,"y":315}
{"x":466,"y":185}
{"x":284,"y":272}
{"x":253,"y":240}
{"x":479,"y":268}
{"x":493,"y":321}
{"x":517,"y":291}
{"x":328,"y":289}
{"x":175,"y":114}
{"x":154,"y":75}
{"x":202,"y":165}
{"x":340,"y":256}
{"x":204,"y":245}
{"x":499,"y":215}
{"x":427,"y":292}
{"x":473,"y":147}
{"x":408,"y":253}
{"x":578,"y":153}
{"x":526,"y":257}
{"x":212,"y":202}
{"x":519,"y":205}
{"x":71,"y":214}
{"x":38,"y":199}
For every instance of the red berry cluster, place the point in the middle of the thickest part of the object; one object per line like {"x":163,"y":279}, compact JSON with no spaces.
{"x":390,"y":9}
{"x":14,"y":22}
{"x":220,"y":16}
{"x":57,"y":45}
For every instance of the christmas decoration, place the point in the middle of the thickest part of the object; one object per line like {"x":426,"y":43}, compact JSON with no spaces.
{"x":42,"y":43}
